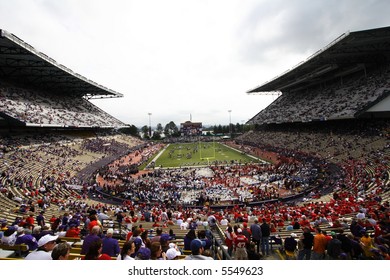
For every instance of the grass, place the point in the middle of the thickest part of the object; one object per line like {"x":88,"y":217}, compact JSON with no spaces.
{"x":198,"y":154}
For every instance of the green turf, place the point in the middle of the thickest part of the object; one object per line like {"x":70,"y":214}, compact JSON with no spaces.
{"x":197,"y":154}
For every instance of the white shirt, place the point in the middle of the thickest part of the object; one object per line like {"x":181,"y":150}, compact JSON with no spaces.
{"x":127,"y":258}
{"x":39,"y":255}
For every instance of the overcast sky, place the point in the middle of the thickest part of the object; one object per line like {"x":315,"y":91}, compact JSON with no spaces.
{"x":176,"y":59}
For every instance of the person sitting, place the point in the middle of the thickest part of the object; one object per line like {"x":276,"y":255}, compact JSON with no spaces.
{"x":95,"y":252}
{"x":24,"y":236}
{"x":127,"y":250}
{"x":90,"y":238}
{"x":197,"y":248}
{"x":61,"y":251}
{"x":110,"y":244}
{"x":46,"y":245}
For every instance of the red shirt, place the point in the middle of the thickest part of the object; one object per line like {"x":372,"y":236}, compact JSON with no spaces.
{"x":240,"y":241}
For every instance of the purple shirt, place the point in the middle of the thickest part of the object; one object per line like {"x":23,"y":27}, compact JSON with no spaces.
{"x":110,"y":247}
{"x":27,"y":239}
{"x":89,"y":239}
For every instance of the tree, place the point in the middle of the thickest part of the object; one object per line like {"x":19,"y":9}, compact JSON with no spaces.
{"x":171,"y":129}
{"x":156,"y":135}
{"x":145,"y":131}
{"x":159,"y":128}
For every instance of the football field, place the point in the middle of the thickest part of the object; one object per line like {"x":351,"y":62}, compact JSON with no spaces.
{"x":200,"y":154}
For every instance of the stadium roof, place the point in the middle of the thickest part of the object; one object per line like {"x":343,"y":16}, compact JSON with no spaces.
{"x":349,"y":53}
{"x":22,"y":63}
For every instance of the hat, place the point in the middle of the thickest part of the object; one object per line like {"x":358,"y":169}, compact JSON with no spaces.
{"x":172,"y":245}
{"x":46,"y":239}
{"x":110,"y":231}
{"x":20,"y":230}
{"x":164,"y":237}
{"x":245,"y":224}
{"x":293,"y":235}
{"x":172,"y":253}
{"x":9,"y":231}
{"x":196,"y":244}
{"x":143,"y":253}
{"x":239,"y":230}
{"x":137,"y":241}
{"x":332,"y":233}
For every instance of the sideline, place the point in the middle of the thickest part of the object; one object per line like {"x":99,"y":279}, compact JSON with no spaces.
{"x":257,"y":158}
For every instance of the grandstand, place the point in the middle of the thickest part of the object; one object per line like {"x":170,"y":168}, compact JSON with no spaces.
{"x":347,"y":79}
{"x":36,"y":91}
{"x":327,"y":137}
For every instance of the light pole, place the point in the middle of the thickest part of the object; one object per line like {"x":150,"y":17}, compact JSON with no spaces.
{"x":230,"y":123}
{"x":150,"y":126}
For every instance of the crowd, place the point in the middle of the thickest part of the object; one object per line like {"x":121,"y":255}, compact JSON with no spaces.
{"x":39,"y":108}
{"x":335,"y":101}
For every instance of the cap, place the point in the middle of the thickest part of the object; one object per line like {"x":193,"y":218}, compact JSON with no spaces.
{"x":110,"y":231}
{"x":333,"y":233}
{"x":164,"y":237}
{"x":245,"y":224}
{"x":46,"y":239}
{"x":137,"y":241}
{"x":196,"y":244}
{"x":143,"y":253}
{"x":239,"y":230}
{"x":293,"y":235}
{"x":172,"y":253}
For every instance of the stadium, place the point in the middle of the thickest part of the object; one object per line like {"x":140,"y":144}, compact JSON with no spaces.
{"x":321,"y":190}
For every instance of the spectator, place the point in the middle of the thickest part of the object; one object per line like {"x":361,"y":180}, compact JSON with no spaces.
{"x":110,"y":245}
{"x":256,"y":234}
{"x":61,"y":251}
{"x":307,"y":243}
{"x":95,"y":251}
{"x":191,"y":235}
{"x":90,"y":238}
{"x":334,"y":247}
{"x":9,"y":236}
{"x":319,"y":245}
{"x":156,"y":252}
{"x":24,"y":236}
{"x":173,"y":252}
{"x":265,"y":233}
{"x":143,"y":254}
{"x":252,"y":254}
{"x":128,"y":249}
{"x":290,"y":246}
{"x":240,"y":243}
{"x":46,"y":245}
{"x":202,"y":236}
{"x":197,"y":248}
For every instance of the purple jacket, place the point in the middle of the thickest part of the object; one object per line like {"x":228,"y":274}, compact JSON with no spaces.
{"x":110,"y":246}
{"x":89,"y":239}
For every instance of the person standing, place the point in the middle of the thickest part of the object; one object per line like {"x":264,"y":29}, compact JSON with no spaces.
{"x":265,"y":233}
{"x":319,"y":245}
{"x":334,"y":247}
{"x":240,"y":244}
{"x":306,"y":240}
{"x":256,"y":234}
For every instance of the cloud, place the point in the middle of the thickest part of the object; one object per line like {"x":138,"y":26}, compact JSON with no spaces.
{"x":175,"y":58}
